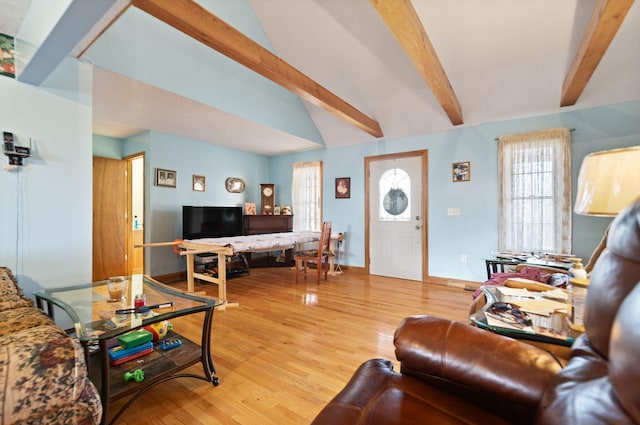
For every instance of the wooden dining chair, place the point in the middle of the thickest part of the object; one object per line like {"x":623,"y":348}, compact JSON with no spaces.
{"x":320,"y":256}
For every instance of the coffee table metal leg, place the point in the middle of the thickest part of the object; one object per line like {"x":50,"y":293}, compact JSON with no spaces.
{"x":104,"y":379}
{"x":207,"y":360}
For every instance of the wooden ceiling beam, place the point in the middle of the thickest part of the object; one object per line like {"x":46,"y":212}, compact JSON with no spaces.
{"x":606,"y":19}
{"x":198,"y":23}
{"x":403,"y":21}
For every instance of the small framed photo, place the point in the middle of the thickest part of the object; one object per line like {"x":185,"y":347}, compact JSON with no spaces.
{"x":249,"y":208}
{"x":343,"y":187}
{"x":461,"y":171}
{"x":198,"y":183}
{"x":276,"y":210}
{"x":166,"y":178}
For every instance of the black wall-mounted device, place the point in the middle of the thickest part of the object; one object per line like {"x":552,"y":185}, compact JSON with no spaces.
{"x":15,"y":153}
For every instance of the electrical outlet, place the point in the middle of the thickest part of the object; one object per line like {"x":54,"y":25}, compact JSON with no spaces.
{"x":463,"y":259}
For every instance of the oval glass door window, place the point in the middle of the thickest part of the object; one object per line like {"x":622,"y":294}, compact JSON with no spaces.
{"x":395,"y":187}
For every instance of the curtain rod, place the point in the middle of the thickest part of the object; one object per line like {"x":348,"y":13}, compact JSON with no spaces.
{"x":571,"y":129}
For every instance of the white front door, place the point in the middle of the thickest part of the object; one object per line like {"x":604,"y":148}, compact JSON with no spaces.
{"x":396,"y":216}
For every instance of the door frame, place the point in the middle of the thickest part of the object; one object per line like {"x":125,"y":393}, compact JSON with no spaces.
{"x":132,"y":252}
{"x":424,"y":156}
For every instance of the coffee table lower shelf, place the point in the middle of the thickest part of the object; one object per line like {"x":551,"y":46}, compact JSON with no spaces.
{"x":158,"y":366}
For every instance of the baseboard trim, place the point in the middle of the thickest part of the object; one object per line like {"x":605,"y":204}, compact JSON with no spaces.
{"x":171,"y":277}
{"x":456,"y":283}
{"x":352,"y":269}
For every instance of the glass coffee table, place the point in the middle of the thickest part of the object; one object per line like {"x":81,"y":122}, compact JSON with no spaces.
{"x":552,"y":329}
{"x":97,"y":325}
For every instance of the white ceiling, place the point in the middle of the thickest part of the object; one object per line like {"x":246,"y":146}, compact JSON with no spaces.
{"x":504,"y":58}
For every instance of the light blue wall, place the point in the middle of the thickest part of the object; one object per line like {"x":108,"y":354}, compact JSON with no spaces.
{"x":107,"y":147}
{"x":163,"y":205}
{"x":474,"y":232}
{"x":45,"y":219}
{"x":46,"y":223}
{"x":145,"y":49}
{"x":189,"y":157}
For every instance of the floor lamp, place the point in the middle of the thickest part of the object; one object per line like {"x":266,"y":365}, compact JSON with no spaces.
{"x":608,"y":182}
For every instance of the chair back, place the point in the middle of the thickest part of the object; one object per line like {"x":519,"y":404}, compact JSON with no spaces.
{"x":320,"y":256}
{"x":603,"y":363}
{"x":325,"y":239}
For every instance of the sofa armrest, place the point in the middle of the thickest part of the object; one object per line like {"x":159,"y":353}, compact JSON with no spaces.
{"x":11,"y":295}
{"x":355,"y":399}
{"x":451,"y":354}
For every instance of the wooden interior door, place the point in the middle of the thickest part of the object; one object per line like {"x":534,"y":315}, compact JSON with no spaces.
{"x":110,"y":222}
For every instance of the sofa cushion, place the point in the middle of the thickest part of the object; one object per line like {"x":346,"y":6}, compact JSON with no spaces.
{"x":43,"y":379}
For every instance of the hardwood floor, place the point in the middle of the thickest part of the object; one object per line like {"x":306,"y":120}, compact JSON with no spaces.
{"x":288,"y":349}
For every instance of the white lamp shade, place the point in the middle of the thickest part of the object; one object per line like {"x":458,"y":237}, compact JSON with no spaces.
{"x":608,"y":182}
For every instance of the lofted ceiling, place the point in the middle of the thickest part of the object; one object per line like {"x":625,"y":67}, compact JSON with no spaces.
{"x":455,"y":63}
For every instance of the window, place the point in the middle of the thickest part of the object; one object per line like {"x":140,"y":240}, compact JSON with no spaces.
{"x":307,"y":196}
{"x":394,"y":187}
{"x":534,"y":173}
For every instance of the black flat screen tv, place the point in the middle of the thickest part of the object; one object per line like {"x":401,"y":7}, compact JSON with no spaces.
{"x":211,"y":222}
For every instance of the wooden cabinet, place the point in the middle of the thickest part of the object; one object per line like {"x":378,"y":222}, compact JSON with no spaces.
{"x":261,"y":224}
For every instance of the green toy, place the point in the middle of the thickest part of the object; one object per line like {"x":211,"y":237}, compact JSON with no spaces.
{"x":136,"y":375}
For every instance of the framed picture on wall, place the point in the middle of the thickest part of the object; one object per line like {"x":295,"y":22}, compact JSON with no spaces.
{"x":343,"y":187}
{"x":166,"y":178}
{"x":461,"y":171}
{"x":198,"y":183}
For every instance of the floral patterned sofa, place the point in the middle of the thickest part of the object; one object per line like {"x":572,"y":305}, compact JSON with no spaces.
{"x":43,"y":375}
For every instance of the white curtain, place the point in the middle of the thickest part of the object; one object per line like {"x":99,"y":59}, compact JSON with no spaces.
{"x":307,"y":196}
{"x":534,"y":172}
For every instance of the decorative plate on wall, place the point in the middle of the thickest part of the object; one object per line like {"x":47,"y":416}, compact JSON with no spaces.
{"x":234,"y":185}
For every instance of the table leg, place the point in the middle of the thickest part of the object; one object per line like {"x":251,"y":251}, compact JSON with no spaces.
{"x":207,"y":360}
{"x":222,"y":276}
{"x":190,"y":266}
{"x":332,"y":268}
{"x":104,"y":379}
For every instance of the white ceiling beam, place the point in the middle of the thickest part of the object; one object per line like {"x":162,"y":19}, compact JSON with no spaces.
{"x":197,"y":22}
{"x":81,"y":23}
{"x":606,"y":19}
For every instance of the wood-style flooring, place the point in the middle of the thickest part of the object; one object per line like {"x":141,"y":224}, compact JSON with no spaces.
{"x":287,"y":349}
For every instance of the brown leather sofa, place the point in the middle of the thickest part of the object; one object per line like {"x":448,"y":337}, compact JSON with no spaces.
{"x":452,"y":373}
